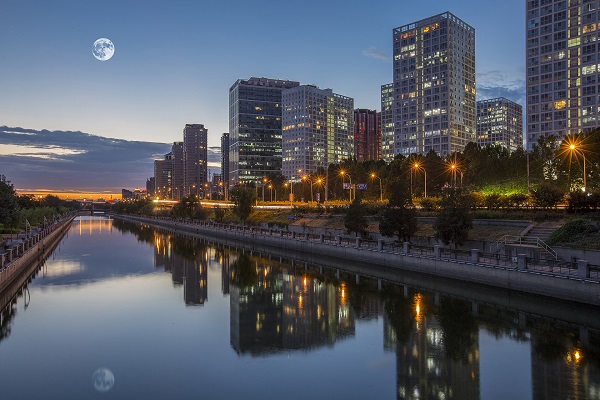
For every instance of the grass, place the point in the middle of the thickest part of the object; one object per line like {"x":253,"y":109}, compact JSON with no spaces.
{"x":577,"y":233}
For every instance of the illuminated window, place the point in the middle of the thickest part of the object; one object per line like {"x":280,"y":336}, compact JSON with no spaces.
{"x":560,"y":104}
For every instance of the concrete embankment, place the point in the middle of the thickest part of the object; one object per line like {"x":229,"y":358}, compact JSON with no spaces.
{"x":20,"y":260}
{"x":572,"y":288}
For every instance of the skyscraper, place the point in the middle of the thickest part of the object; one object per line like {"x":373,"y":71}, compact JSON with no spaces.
{"x":562,"y":68}
{"x":367,"y":135}
{"x":317,"y":129}
{"x":195,"y":159}
{"x":434,"y":85}
{"x":255,"y":128}
{"x":225,"y":164}
{"x":163,"y":177}
{"x":500,"y":121}
{"x":387,"y":122}
{"x":178,"y":170}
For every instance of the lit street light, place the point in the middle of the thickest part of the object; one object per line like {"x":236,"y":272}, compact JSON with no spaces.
{"x":574,"y":150}
{"x":373,"y":176}
{"x":344,"y":174}
{"x":417,"y":167}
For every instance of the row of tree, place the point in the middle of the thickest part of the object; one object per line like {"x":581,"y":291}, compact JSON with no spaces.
{"x":18,"y":210}
{"x":399,"y":216}
{"x":489,"y":169}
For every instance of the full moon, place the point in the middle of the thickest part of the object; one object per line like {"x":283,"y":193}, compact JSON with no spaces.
{"x":103,"y":379}
{"x":103,"y":49}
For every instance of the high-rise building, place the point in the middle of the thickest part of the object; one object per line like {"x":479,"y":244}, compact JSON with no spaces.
{"x":195,"y":154}
{"x":178,"y":170}
{"x":317,"y":129}
{"x":150,"y":186}
{"x":255,"y":128}
{"x":163,"y":178}
{"x":434,"y":85}
{"x":225,"y":164}
{"x":562,"y":68}
{"x":387,"y":122}
{"x":367,"y":135}
{"x":500,"y":121}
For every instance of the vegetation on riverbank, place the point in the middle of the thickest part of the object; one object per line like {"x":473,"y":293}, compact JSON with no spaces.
{"x":19,"y":212}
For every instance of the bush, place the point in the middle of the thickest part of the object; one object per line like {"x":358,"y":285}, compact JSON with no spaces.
{"x":547,"y":195}
{"x":430,"y":203}
{"x":572,"y":232}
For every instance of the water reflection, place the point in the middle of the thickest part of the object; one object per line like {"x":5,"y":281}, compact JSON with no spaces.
{"x":272,"y":310}
{"x":441,"y":344}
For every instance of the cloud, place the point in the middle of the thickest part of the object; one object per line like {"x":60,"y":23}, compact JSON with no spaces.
{"x":63,"y":160}
{"x":373,"y":52}
{"x":495,"y":83}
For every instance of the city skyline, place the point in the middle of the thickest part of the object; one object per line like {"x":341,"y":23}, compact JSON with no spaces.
{"x":151,"y":87}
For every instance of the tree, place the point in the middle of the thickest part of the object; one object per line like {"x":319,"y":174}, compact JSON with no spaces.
{"x":399,"y":216}
{"x":188,"y":207}
{"x":9,"y":207}
{"x":244,"y":198}
{"x":454,"y":220}
{"x":219,"y":214}
{"x":547,"y":195}
{"x":355,"y":220}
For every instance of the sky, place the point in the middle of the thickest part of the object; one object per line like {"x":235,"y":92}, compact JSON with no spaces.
{"x":175,"y":61}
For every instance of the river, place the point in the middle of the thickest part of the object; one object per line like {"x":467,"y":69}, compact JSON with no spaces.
{"x":121,"y":311}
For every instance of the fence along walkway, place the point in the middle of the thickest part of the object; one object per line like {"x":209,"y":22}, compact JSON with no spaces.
{"x":580,"y":269}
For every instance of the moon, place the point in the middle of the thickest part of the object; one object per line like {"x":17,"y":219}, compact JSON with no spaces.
{"x":103,"y":379}
{"x":103,"y":49}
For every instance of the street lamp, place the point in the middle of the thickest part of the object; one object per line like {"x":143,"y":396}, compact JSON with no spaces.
{"x":453,"y":169}
{"x":573,"y":148}
{"x":265,"y":181}
{"x":373,"y":176}
{"x":306,"y":178}
{"x":417,"y":167}
{"x":344,"y":174}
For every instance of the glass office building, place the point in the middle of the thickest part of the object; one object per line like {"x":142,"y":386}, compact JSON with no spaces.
{"x":434,"y":85}
{"x":255,"y":128}
{"x":562,"y":68}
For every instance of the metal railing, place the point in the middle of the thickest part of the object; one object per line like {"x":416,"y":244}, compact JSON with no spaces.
{"x":524,"y":240}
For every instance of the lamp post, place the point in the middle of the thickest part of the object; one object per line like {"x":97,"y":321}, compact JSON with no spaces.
{"x":306,"y":178}
{"x":417,"y":167}
{"x":344,"y":174}
{"x":573,"y":148}
{"x":265,"y":181}
{"x":373,"y":176}
{"x":453,"y":168}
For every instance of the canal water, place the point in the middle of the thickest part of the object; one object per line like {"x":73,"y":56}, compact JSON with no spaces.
{"x":121,"y":311}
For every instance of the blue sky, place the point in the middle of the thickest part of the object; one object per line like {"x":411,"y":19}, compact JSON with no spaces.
{"x":175,"y":60}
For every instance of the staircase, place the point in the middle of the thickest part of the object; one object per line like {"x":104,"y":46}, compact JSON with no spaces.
{"x":533,"y":237}
{"x":543,"y":230}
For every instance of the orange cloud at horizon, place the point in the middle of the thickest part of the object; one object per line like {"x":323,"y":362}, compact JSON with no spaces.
{"x":70,"y":195}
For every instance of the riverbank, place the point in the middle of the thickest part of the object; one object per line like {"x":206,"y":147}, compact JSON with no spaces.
{"x":580,"y":285}
{"x":19,"y":256}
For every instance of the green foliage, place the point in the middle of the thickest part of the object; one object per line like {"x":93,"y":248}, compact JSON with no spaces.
{"x":139,"y":207}
{"x":547,"y":195}
{"x":219,"y":214}
{"x":355,"y":220}
{"x":430,"y":203}
{"x":9,"y":207}
{"x":399,"y":216}
{"x":577,"y":233}
{"x":189,"y":208}
{"x":454,"y":220}
{"x":244,"y":198}
{"x":581,"y":202}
